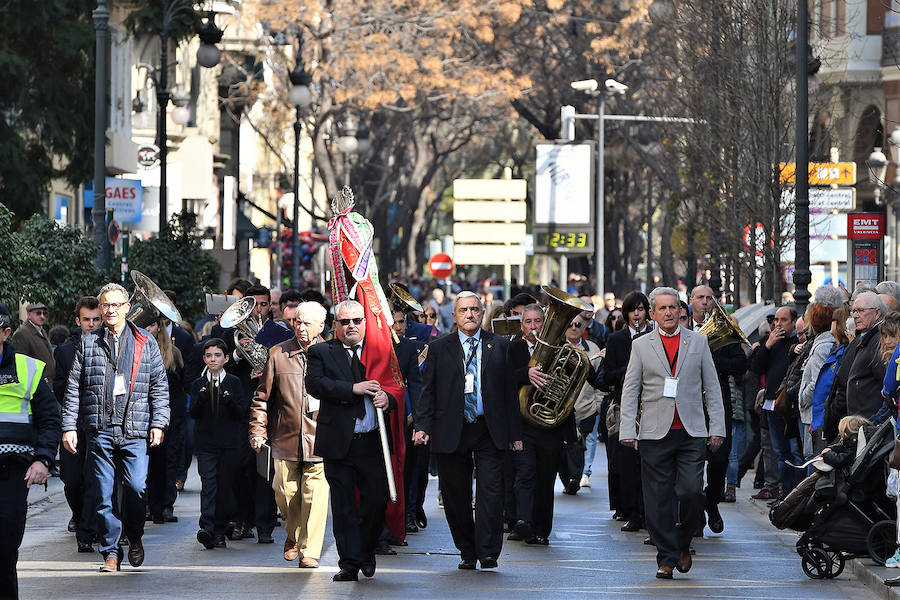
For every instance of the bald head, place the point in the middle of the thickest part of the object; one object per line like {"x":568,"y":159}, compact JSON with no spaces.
{"x":701,"y":302}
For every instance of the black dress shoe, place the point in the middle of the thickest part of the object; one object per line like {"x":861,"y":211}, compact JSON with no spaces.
{"x":219,"y":541}
{"x":411,"y":526}
{"x":514,"y":537}
{"x":264,"y":538}
{"x":523,"y":530}
{"x":169,"y":516}
{"x":571,"y":488}
{"x":346,"y":575}
{"x":158,"y":519}
{"x":72,"y":526}
{"x":489,"y":562}
{"x":85,"y":547}
{"x":230,"y":528}
{"x":135,"y":553}
{"x":632,"y":525}
{"x":467,"y":564}
{"x":648,"y":541}
{"x":205,"y":537}
{"x":716,"y":524}
{"x":393,"y":541}
{"x":385,"y":549}
{"x":368,"y":569}
{"x":421,"y":518}
{"x":538,"y":541}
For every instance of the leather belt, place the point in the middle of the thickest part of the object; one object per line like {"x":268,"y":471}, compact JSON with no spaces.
{"x":364,"y":434}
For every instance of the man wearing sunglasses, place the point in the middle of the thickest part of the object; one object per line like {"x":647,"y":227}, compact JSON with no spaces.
{"x":31,"y":339}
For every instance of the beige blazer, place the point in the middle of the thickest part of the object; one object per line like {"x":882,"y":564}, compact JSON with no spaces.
{"x":646,"y":413}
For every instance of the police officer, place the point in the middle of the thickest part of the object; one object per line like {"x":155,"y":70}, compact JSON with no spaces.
{"x":29,"y":435}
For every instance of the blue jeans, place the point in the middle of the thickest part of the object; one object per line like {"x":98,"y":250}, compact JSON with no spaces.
{"x":786,"y":450}
{"x":591,"y":447}
{"x":111,"y":455}
{"x":738,"y":445}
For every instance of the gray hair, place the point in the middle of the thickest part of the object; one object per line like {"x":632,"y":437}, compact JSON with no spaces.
{"x":829,"y":296}
{"x":661,"y":291}
{"x":467,"y":294}
{"x":532,"y":308}
{"x":315,"y":310}
{"x":861,"y":289}
{"x":872,"y":300}
{"x":342,"y":306}
{"x":112,"y":287}
{"x":891,"y":288}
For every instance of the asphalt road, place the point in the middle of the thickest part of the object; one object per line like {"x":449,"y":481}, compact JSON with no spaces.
{"x":588,"y":556}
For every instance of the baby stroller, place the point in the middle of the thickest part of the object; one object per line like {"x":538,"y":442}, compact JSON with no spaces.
{"x":844,"y":512}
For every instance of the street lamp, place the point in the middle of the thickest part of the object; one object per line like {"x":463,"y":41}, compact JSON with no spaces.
{"x":894,"y":188}
{"x":101,"y":27}
{"x":208,"y":54}
{"x":877,"y":165}
{"x":300,"y":96}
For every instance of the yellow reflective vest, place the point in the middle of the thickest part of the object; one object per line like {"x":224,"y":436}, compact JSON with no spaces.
{"x":15,"y":396}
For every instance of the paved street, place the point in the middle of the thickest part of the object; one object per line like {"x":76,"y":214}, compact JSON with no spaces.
{"x":588,"y":556}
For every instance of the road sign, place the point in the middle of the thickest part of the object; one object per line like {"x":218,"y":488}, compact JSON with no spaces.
{"x":113,"y":233}
{"x":841,"y":173}
{"x":490,"y":189}
{"x":825,"y":199}
{"x":494,"y":233}
{"x":489,"y":210}
{"x":441,"y":265}
{"x":489,"y":254}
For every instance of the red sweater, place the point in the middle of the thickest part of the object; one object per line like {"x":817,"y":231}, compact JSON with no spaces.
{"x":671,"y":346}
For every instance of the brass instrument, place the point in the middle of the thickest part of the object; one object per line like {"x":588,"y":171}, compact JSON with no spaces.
{"x":240,"y":316}
{"x":148,"y":302}
{"x":402,"y":299}
{"x":566,"y":366}
{"x":721,"y":329}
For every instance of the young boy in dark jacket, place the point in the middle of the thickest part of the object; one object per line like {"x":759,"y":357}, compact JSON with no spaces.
{"x":220,"y":409}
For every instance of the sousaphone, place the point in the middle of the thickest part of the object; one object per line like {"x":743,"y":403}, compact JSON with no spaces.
{"x":148,"y":302}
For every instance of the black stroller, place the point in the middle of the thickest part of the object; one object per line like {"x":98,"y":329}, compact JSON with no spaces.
{"x":844,"y":513}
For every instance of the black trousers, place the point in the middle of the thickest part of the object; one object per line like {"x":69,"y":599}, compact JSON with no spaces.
{"x":717,"y":466}
{"x":79,"y":496}
{"x":13,"y":505}
{"x":571,"y":463}
{"x":415,"y":475}
{"x":256,"y":498}
{"x":218,"y":503}
{"x":672,"y":472}
{"x":535,"y":475}
{"x":356,"y":529}
{"x":479,"y":535}
{"x":630,"y":497}
{"x":164,"y":469}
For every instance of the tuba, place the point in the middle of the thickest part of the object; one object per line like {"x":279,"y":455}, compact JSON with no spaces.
{"x":240,"y":316}
{"x":721,"y":329}
{"x":148,"y":302}
{"x":567,"y":367}
{"x":403,"y":300}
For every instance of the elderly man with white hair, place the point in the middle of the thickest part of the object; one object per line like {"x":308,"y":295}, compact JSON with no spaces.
{"x":829,"y":296}
{"x":859,"y":379}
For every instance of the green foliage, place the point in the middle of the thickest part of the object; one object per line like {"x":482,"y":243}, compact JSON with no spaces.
{"x":175,"y":261}
{"x":18,"y":268}
{"x":47,"y":98}
{"x":66,"y":267}
{"x":147,"y":18}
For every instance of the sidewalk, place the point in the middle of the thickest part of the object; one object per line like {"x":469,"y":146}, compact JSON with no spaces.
{"x":41,"y":497}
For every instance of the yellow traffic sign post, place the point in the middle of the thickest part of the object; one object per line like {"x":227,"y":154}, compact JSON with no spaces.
{"x":839,"y":173}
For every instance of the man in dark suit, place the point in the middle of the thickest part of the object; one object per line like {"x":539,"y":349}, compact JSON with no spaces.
{"x":348,"y":441}
{"x":469,"y":414}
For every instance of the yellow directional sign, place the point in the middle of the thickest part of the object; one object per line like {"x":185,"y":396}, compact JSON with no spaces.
{"x":841,"y":173}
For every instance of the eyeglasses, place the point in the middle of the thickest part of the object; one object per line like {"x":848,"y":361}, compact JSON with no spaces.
{"x":112,"y":306}
{"x":39,"y":312}
{"x":857,"y":311}
{"x":346,"y":322}
{"x":576,"y":324}
{"x":430,"y":315}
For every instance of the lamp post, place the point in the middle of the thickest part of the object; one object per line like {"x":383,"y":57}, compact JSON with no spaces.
{"x":301,"y":98}
{"x":894,"y":188}
{"x":802,"y":275}
{"x":348,"y":144}
{"x":101,"y":26}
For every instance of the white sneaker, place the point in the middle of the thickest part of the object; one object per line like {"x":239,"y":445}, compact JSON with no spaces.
{"x":894,"y":561}
{"x":586,"y":482}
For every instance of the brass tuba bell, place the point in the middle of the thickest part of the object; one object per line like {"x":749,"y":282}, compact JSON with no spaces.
{"x":148,"y":302}
{"x":403,"y":300}
{"x":721,"y":329}
{"x":240,"y":316}
{"x":566,"y":366}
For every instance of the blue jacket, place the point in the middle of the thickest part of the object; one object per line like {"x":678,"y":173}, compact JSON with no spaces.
{"x":147,"y":406}
{"x":824,"y":384}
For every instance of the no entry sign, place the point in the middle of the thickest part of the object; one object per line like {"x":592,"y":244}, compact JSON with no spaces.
{"x":441,"y":265}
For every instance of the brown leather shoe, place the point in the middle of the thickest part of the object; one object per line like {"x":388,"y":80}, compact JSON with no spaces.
{"x":664,"y":573}
{"x":290,"y":549}
{"x":309,"y":563}
{"x":684,"y":561}
{"x":111,"y":564}
{"x":135,"y":553}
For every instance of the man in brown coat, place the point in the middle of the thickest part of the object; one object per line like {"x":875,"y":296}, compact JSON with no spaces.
{"x":31,"y":339}
{"x":285,"y":414}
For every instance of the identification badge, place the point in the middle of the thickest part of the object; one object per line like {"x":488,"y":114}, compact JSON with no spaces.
{"x":470,"y":384}
{"x":312,"y":404}
{"x":670,"y":390}
{"x":119,"y":387}
{"x":769,"y":404}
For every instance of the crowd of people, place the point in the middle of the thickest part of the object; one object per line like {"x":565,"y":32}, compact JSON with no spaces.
{"x":133,"y":406}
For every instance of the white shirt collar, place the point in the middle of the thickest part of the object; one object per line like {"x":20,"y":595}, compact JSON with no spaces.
{"x":669,"y":335}
{"x":219,"y":378}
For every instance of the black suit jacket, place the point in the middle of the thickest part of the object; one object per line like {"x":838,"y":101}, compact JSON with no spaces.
{"x":64,"y":355}
{"x":183,"y":340}
{"x":440,"y":410}
{"x":329,"y":378}
{"x":407,"y":352}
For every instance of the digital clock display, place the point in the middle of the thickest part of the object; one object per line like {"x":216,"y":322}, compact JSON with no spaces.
{"x":571,"y":239}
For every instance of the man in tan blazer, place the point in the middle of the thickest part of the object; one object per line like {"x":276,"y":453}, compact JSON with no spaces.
{"x":285,"y":414}
{"x":664,"y":416}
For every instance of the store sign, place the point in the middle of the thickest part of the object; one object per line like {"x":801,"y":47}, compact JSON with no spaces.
{"x":865,"y":226}
{"x":125,"y":197}
{"x":148,"y":155}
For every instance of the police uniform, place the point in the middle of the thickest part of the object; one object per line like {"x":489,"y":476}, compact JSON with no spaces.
{"x":29,"y":431}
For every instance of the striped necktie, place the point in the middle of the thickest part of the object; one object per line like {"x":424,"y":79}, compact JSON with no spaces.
{"x":472,"y":369}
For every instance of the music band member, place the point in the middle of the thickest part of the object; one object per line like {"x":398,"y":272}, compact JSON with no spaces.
{"x":469,"y":415}
{"x":669,"y":370}
{"x":347,"y":439}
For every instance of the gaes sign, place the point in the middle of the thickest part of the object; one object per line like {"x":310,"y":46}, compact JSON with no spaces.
{"x":125,"y":197}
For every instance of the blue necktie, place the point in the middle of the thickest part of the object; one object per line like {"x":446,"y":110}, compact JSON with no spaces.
{"x":472,"y":369}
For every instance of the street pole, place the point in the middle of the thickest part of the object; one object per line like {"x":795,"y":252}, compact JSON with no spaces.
{"x":802,"y":275}
{"x":599,"y":238}
{"x":162,"y":101}
{"x":101,"y":26}
{"x":295,"y":234}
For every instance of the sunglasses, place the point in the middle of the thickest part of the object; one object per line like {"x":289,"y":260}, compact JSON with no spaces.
{"x":576,"y":325}
{"x":430,"y":315}
{"x":355,"y":320}
{"x":39,"y":312}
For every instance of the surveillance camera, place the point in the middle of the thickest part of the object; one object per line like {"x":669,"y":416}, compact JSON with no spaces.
{"x":585,"y":85}
{"x":615,"y":87}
